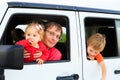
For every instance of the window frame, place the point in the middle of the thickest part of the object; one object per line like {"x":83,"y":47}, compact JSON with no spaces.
{"x":25,"y":18}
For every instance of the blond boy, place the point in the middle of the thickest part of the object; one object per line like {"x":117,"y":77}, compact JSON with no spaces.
{"x":96,"y":44}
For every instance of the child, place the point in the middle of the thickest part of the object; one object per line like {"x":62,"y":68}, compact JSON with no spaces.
{"x":32,"y":43}
{"x":96,"y":44}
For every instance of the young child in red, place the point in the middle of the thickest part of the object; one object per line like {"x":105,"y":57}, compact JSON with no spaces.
{"x":32,"y":43}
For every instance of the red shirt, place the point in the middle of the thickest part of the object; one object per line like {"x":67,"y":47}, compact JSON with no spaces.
{"x":55,"y":54}
{"x":32,"y":50}
{"x":47,"y":54}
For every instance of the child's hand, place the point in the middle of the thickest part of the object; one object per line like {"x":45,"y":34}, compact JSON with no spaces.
{"x":91,"y":57}
{"x":39,"y":61}
{"x":31,"y":41}
{"x":26,"y":54}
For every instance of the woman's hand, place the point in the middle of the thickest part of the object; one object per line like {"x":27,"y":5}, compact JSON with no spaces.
{"x":37,"y":54}
{"x":26,"y":54}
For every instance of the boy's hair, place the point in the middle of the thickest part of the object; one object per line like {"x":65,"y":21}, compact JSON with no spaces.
{"x":97,"y":41}
{"x":39,"y":28}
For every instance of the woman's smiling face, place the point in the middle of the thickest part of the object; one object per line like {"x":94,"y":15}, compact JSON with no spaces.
{"x":51,"y":36}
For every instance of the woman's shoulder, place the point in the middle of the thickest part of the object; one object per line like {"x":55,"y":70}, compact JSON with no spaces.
{"x":53,"y":49}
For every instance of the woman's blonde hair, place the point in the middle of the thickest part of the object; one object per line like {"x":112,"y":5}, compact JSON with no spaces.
{"x":97,"y":41}
{"x":39,"y":28}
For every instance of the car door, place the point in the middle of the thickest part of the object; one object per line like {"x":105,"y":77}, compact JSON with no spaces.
{"x":107,"y":24}
{"x":52,"y":70}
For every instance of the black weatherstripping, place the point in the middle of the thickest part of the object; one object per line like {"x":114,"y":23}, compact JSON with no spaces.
{"x":39,"y":5}
{"x":59,"y":7}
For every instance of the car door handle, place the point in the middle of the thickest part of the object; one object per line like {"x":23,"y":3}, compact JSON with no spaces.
{"x":71,"y":77}
{"x":117,"y":71}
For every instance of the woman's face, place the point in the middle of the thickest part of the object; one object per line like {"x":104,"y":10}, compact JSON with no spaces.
{"x":51,"y":36}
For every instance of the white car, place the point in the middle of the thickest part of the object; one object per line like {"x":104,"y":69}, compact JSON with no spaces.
{"x":79,"y":22}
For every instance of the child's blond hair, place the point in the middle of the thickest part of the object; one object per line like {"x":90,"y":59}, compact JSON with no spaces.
{"x":97,"y":41}
{"x":39,"y":28}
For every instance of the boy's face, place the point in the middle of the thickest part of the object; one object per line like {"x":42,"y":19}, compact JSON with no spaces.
{"x":91,"y":51}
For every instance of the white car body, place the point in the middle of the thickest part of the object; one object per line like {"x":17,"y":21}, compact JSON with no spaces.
{"x":78,"y":63}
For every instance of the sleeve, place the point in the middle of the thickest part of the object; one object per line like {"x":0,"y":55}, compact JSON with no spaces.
{"x":99,"y":58}
{"x":24,"y":43}
{"x":45,"y":52}
{"x":45,"y":55}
